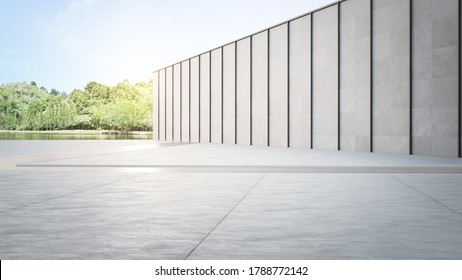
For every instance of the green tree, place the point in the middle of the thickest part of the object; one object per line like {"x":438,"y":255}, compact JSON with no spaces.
{"x":125,"y":107}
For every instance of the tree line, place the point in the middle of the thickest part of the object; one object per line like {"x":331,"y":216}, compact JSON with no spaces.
{"x":124,"y":107}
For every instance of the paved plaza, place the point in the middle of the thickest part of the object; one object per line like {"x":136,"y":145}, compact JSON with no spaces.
{"x":159,"y":200}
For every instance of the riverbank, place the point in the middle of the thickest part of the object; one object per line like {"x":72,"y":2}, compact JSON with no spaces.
{"x":88,"y":132}
{"x":75,"y":135}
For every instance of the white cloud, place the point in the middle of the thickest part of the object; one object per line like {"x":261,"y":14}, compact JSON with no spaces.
{"x":76,"y":4}
{"x":66,"y":25}
{"x":89,"y":2}
{"x":56,"y":30}
{"x":70,"y":42}
{"x":25,"y":64}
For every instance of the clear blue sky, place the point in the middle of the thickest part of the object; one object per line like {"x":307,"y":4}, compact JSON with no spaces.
{"x":65,"y":44}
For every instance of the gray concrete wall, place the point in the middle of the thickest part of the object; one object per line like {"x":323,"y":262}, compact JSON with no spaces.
{"x":204,"y":97}
{"x":299,"y":83}
{"x":278,"y":89}
{"x":185,"y":101}
{"x":325,"y":79}
{"x":194,"y":88}
{"x":260,"y":89}
{"x":216,"y":97}
{"x":355,"y":82}
{"x":243,"y":92}
{"x":229,"y":94}
{"x":155,"y":106}
{"x":435,"y":106}
{"x":176,"y":103}
{"x":391,"y":78}
{"x":162,"y":105}
{"x":169,"y":104}
{"x":358,"y":75}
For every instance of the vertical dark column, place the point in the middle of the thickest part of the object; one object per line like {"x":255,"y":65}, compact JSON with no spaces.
{"x":221,"y":95}
{"x":210,"y":97}
{"x":173,"y":103}
{"x":288,"y":84}
{"x":371,"y":77}
{"x":189,"y":99}
{"x":338,"y":76}
{"x":199,"y":93}
{"x":158,"y":105}
{"x":459,"y":78}
{"x":181,"y":101}
{"x":311,"y":80}
{"x":251,"y":39}
{"x":235,"y":92}
{"x":165,"y":104}
{"x":410,"y":76}
{"x":268,"y":86}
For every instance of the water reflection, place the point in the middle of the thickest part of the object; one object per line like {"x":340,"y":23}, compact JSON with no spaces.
{"x":72,"y":136}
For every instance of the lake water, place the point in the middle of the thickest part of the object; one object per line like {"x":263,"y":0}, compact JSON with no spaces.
{"x":71,"y":136}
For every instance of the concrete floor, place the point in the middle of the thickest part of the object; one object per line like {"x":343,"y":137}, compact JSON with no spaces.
{"x":147,"y":200}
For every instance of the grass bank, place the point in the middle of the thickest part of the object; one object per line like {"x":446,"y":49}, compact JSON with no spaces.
{"x":78,"y":132}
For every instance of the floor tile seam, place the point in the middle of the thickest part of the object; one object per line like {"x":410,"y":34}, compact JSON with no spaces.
{"x":312,"y":166}
{"x":102,"y":154}
{"x":349,"y":242}
{"x":69,"y":194}
{"x":241,"y":168}
{"x":11,"y":175}
{"x":44,"y":161}
{"x":224,"y":217}
{"x":426,"y":195}
{"x":330,"y":241}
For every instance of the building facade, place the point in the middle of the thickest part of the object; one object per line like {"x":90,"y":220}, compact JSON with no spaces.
{"x":358,"y":75}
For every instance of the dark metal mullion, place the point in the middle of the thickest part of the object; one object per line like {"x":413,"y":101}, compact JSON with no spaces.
{"x":268,"y":86}
{"x":288,"y":84}
{"x":158,"y":105}
{"x":210,"y":97}
{"x":251,"y":86}
{"x":338,"y":76}
{"x":311,"y":81}
{"x":181,"y":102}
{"x":459,"y":86}
{"x":199,"y":93}
{"x":235,"y":92}
{"x":371,"y":77}
{"x":189,"y":99}
{"x":173,"y":103}
{"x":165,"y":104}
{"x":222,"y":95}
{"x":410,"y":76}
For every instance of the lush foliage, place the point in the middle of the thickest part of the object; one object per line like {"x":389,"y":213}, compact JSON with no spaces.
{"x":124,"y":107}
